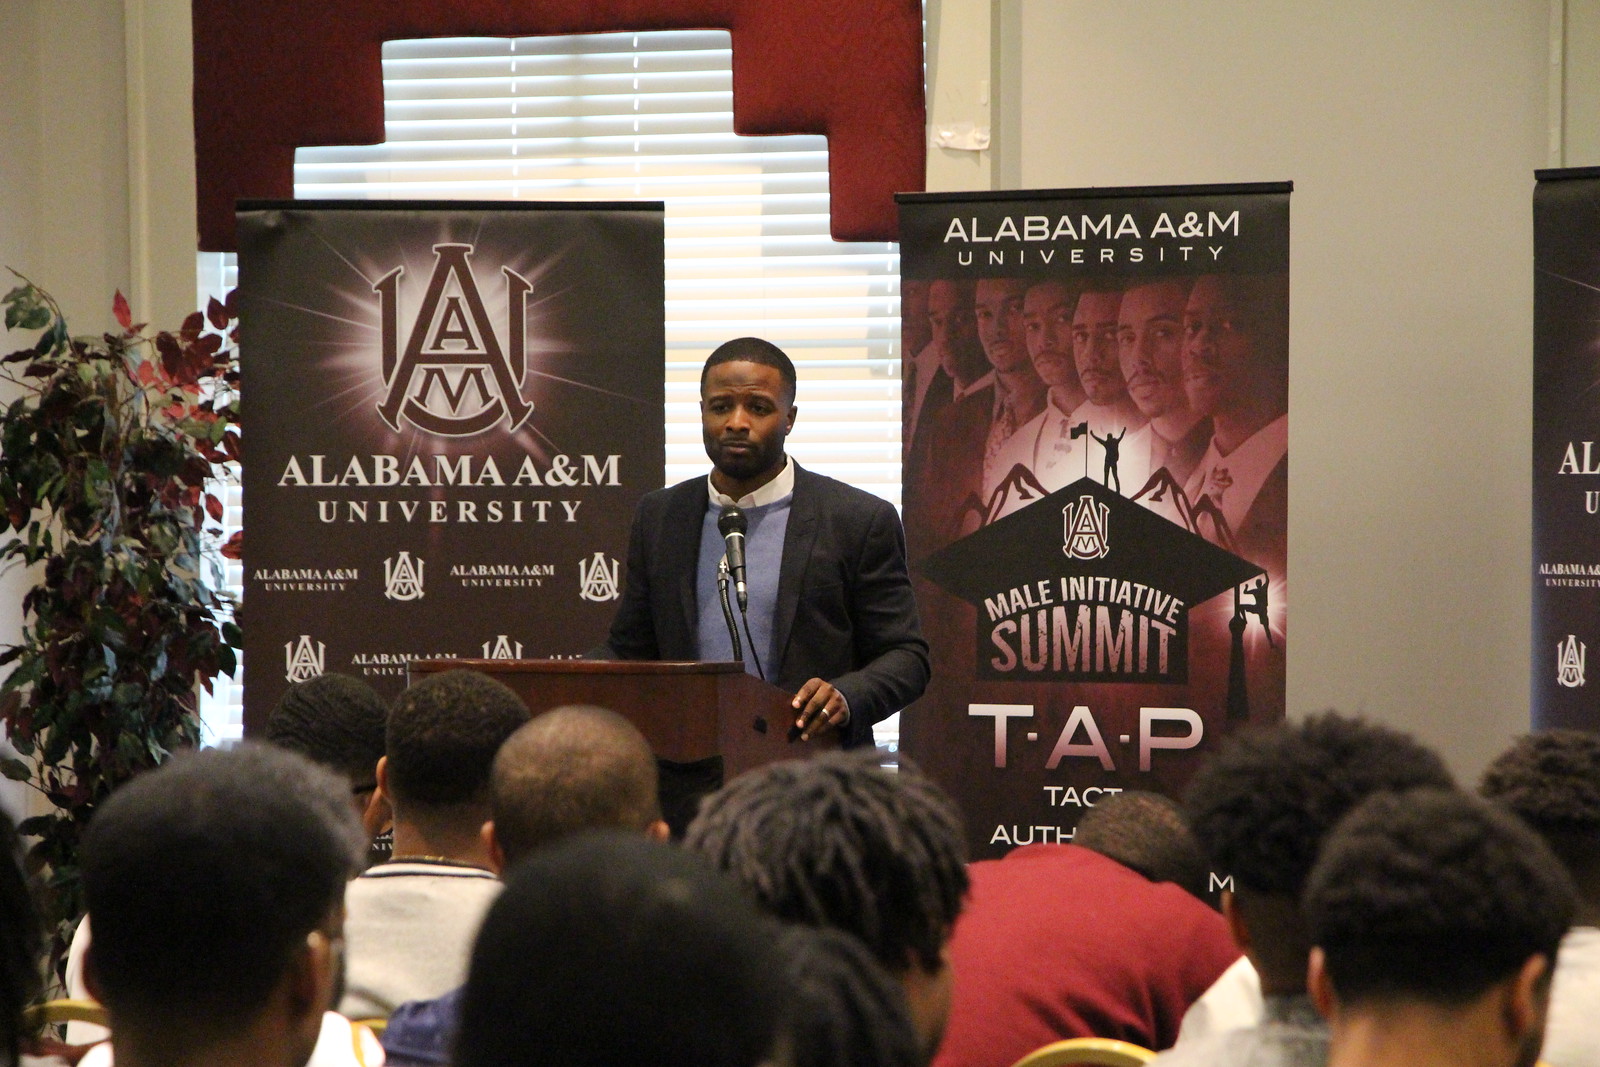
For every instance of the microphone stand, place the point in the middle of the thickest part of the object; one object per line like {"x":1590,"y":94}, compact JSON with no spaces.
{"x":727,"y":608}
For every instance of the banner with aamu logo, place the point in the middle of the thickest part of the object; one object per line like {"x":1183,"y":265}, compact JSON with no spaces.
{"x":1095,"y":489}
{"x":453,"y":410}
{"x":1566,"y":459}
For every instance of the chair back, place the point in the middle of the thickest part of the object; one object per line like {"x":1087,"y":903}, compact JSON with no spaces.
{"x":66,"y":1010}
{"x":1096,"y":1051}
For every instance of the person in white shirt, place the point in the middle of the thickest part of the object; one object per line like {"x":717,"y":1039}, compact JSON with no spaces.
{"x":217,"y":887}
{"x":1236,"y":373}
{"x":1150,"y":350}
{"x":1107,"y":408}
{"x":1260,"y":809}
{"x":1434,"y":917}
{"x":1043,"y":446}
{"x":1018,"y":394}
{"x":951,"y":357}
{"x":1551,"y":780}
{"x":411,"y":921}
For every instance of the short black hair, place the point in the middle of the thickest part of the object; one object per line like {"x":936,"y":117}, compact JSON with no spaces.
{"x":21,"y":943}
{"x":1261,"y":807}
{"x":571,"y":769}
{"x":205,"y":875}
{"x":1550,"y":778}
{"x":443,"y":734}
{"x":335,"y":720}
{"x":848,"y":1011}
{"x":611,"y":948}
{"x":840,"y":841}
{"x":752,"y":350}
{"x":1433,"y":895}
{"x":1148,"y":833}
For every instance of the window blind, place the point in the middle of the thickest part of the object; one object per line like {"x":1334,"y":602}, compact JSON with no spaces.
{"x":650,"y":116}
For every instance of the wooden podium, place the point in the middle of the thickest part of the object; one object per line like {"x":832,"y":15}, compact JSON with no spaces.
{"x":687,"y":711}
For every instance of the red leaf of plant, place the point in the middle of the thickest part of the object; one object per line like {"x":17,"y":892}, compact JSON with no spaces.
{"x":171,"y":353}
{"x":124,"y":314}
{"x":230,"y":444}
{"x":231,"y":302}
{"x":213,"y":507}
{"x":234,"y":547}
{"x":193,"y":323}
{"x":147,"y":374}
{"x":216,"y":314}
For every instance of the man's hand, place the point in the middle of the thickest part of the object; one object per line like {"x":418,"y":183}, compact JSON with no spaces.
{"x":822,"y":709}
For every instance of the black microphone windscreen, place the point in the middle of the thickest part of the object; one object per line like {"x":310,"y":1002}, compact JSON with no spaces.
{"x":732,"y":521}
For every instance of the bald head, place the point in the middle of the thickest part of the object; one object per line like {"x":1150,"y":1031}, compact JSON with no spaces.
{"x":572,"y":769}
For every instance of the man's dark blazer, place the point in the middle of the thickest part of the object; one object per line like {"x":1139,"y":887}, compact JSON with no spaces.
{"x":844,"y":613}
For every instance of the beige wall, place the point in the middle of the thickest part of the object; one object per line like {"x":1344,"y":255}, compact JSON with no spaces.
{"x":1411,"y":131}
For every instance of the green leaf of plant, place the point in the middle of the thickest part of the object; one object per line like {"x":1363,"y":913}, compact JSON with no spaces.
{"x":16,"y":770}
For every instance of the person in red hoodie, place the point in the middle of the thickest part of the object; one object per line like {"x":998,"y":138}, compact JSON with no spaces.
{"x":1061,"y":941}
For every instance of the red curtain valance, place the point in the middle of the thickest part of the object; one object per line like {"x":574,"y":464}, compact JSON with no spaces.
{"x":273,"y":75}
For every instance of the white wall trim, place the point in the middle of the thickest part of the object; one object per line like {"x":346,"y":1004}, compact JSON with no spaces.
{"x":161,"y":197}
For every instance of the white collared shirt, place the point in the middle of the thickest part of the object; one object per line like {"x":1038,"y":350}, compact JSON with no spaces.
{"x":961,"y":392}
{"x":1234,"y":480}
{"x":771,"y":493}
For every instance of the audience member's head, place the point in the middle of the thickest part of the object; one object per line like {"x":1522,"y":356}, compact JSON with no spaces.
{"x":21,"y":942}
{"x":216,"y":883}
{"x":1262,"y":806}
{"x":611,"y":948}
{"x":847,"y":1011}
{"x":839,"y":841}
{"x":1436,"y":917}
{"x":1552,"y":781}
{"x":571,"y":769}
{"x":1148,"y":833}
{"x":440,"y":745}
{"x":337,"y":721}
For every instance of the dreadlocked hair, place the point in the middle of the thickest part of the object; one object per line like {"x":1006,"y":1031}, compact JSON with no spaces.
{"x":840,"y":841}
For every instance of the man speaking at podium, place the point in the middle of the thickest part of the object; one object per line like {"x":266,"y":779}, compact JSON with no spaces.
{"x":830,"y":614}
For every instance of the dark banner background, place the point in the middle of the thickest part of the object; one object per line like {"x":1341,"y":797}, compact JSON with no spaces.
{"x":367,"y":543}
{"x":994,"y":549}
{"x":1566,"y":457}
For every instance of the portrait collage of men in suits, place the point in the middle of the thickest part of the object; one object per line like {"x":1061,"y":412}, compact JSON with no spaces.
{"x":1169,"y":389}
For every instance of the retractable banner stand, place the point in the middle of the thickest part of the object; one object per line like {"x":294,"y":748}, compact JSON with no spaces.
{"x":1566,"y":458}
{"x":1096,"y":489}
{"x":451,"y":411}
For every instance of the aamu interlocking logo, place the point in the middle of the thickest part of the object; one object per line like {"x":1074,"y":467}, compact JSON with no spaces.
{"x":598,"y":578}
{"x":1571,"y":656}
{"x":1086,"y":529}
{"x":402,"y":577}
{"x":451,"y":375}
{"x":303,"y":659}
{"x":502,"y":647}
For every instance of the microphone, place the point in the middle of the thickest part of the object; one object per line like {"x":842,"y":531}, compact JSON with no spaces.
{"x":732,"y":525}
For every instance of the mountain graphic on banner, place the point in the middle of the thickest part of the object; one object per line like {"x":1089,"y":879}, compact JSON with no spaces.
{"x":1087,"y":585}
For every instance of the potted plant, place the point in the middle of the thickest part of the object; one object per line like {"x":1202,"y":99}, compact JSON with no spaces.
{"x":108,"y":460}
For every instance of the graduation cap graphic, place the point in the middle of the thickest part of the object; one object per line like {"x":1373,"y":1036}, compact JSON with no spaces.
{"x":1085,"y":585}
